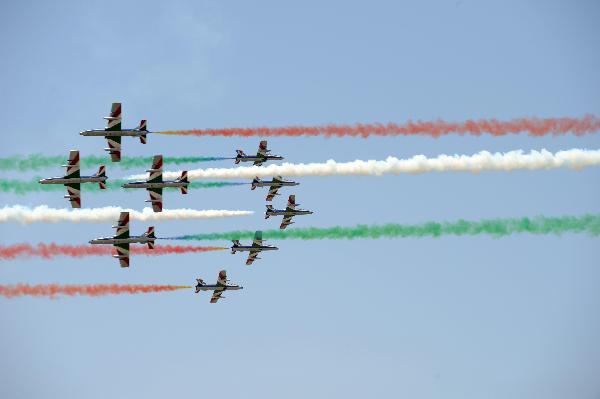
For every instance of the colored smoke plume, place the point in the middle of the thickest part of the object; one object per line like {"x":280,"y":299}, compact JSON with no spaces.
{"x":40,"y":214}
{"x":483,"y":161}
{"x":37,"y":161}
{"x":54,"y":290}
{"x":589,"y":224}
{"x":48,"y":251}
{"x":531,"y":126}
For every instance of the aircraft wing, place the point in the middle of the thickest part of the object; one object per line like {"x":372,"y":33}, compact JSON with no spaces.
{"x":222,"y":279}
{"x":156,"y":170}
{"x":258,"y":162}
{"x":123,"y":254}
{"x":72,"y":165}
{"x":272,"y":192}
{"x":156,"y":199}
{"x":122,"y":225}
{"x":217,"y":294}
{"x":287,"y":220}
{"x":257,"y":242}
{"x":291,"y":202}
{"x":251,"y":257}
{"x":114,"y":147}
{"x":262,"y":149}
{"x":74,"y":194}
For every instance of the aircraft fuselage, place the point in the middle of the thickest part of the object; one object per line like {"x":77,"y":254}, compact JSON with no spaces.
{"x":283,"y":212}
{"x":122,"y":132}
{"x":269,"y":183}
{"x":253,"y":158}
{"x":74,"y":180}
{"x":212,"y":287}
{"x":144,"y":184}
{"x":250,"y":248}
{"x":128,"y":240}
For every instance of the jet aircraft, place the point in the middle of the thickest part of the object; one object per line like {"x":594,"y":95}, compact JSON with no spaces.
{"x":72,"y":180}
{"x":288,"y":213}
{"x":273,"y":185}
{"x":254,"y":249}
{"x":261,"y":156}
{"x":217,"y":288}
{"x":122,"y":239}
{"x":155,"y":183}
{"x":113,"y":132}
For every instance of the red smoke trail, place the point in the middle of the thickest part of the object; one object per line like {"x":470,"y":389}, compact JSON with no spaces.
{"x":52,"y":290}
{"x":48,"y":251}
{"x":532,"y":126}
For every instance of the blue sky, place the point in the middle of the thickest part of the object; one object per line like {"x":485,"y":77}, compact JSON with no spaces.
{"x":453,"y":317}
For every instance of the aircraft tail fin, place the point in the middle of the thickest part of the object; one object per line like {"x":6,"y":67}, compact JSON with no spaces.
{"x":150,"y":234}
{"x":240,"y":154}
{"x":269,"y":209}
{"x":254,"y":182}
{"x":143,"y":128}
{"x":183,"y":179}
{"x":101,"y":173}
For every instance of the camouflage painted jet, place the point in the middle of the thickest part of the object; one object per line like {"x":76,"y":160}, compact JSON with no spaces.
{"x":113,"y":132}
{"x":217,"y":288}
{"x":72,"y":180}
{"x":273,"y":185}
{"x":261,"y":156}
{"x":155,"y":183}
{"x":254,"y":249}
{"x":122,"y":239}
{"x":288,"y":213}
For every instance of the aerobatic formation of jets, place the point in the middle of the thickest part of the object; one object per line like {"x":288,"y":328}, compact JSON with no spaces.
{"x":155,"y":184}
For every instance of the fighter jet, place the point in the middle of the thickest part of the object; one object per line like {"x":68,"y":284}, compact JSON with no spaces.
{"x":155,"y":183}
{"x":273,"y":185}
{"x":72,"y":180}
{"x":113,"y":132}
{"x":288,"y":213}
{"x":217,"y":288}
{"x":261,"y":156}
{"x":122,"y":239}
{"x":254,"y":249}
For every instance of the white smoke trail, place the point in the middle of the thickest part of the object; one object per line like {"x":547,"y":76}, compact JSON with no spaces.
{"x":480,"y":162}
{"x":26,"y":215}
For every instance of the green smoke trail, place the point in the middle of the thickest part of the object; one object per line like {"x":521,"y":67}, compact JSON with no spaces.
{"x":37,"y":162}
{"x":21,"y":187}
{"x":589,"y":224}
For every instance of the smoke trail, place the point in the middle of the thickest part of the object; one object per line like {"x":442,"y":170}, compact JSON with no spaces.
{"x":532,"y":126}
{"x":49,"y":251}
{"x":589,"y":224}
{"x":22,"y":187}
{"x":26,"y":215}
{"x":53,"y":290}
{"x":480,"y":162}
{"x":37,"y":161}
